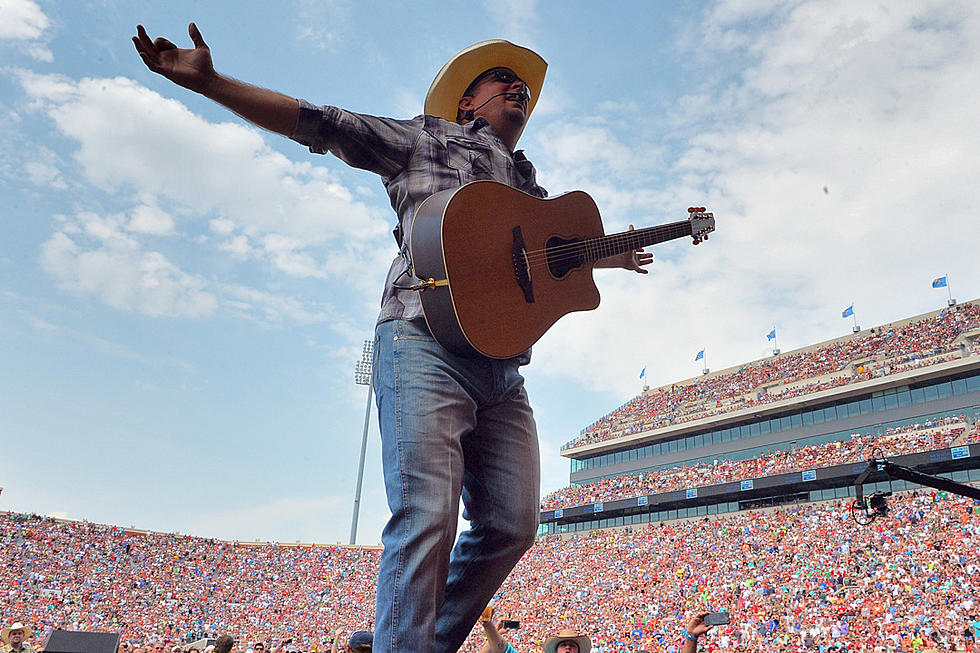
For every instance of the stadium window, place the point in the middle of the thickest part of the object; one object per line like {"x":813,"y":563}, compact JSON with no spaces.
{"x":904,"y":398}
{"x":817,"y":416}
{"x":681,"y":444}
{"x":691,"y":442}
{"x":796,"y":420}
{"x":878,"y":403}
{"x":945,"y":390}
{"x":974,"y":474}
{"x":648,"y":451}
{"x":712,"y":509}
{"x":785,"y":423}
{"x":808,"y":418}
{"x":918,"y":395}
{"x":815,"y":495}
{"x":891,"y":401}
{"x":865,"y":406}
{"x":961,"y":476}
{"x":754,"y":429}
{"x":959,"y":387}
{"x":973,"y":383}
{"x":671,"y":514}
{"x":932,"y":393}
{"x":733,"y":506}
{"x":726,"y":435}
{"x":829,"y":414}
{"x":841,"y":411}
{"x":702,"y":510}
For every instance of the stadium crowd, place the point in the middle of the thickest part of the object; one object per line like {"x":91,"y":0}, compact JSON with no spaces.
{"x":930,"y":434}
{"x":802,"y":578}
{"x":882,"y":351}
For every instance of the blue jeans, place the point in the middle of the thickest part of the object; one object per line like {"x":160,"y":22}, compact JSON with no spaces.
{"x":451,"y":427}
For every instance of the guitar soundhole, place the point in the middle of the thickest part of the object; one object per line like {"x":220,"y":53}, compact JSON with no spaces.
{"x":564,"y":255}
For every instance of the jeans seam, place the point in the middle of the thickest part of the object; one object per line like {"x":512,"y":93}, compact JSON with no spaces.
{"x":399,"y":561}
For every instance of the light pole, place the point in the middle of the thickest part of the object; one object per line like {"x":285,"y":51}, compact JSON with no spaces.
{"x":363,"y":375}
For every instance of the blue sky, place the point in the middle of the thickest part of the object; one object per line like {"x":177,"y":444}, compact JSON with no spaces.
{"x":183,"y":297}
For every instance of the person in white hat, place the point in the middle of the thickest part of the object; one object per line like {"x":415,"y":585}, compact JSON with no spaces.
{"x":452,"y":427}
{"x":14,"y":638}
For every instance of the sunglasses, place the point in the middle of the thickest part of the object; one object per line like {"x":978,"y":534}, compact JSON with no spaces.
{"x":500,"y":75}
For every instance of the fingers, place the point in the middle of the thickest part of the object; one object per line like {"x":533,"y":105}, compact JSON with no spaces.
{"x":163,"y":44}
{"x":143,"y":42}
{"x":196,"y":37}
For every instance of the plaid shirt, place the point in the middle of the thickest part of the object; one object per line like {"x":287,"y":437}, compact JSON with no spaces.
{"x":415,"y":158}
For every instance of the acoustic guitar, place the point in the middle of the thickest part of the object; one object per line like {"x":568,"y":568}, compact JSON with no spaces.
{"x":497,"y":267}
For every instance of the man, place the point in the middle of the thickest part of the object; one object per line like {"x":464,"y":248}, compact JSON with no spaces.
{"x":15,"y":637}
{"x":451,"y":427}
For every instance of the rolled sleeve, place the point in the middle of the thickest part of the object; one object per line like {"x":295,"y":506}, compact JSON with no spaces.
{"x":379,"y":145}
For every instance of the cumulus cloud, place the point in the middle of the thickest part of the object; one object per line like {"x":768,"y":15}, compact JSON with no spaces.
{"x":132,"y":139}
{"x":121,"y":274}
{"x":217,"y":188}
{"x":854,"y":98}
{"x":23,"y":22}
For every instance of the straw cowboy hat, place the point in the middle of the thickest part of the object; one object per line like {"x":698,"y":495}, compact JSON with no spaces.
{"x":5,"y":633}
{"x":448,"y":87}
{"x":584,"y":643}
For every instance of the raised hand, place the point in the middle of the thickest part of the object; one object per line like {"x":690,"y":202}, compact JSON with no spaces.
{"x":190,"y":68}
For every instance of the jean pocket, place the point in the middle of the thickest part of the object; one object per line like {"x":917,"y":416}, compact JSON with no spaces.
{"x":412,"y":330}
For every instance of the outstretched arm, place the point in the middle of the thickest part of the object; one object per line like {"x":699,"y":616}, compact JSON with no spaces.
{"x":193,"y":69}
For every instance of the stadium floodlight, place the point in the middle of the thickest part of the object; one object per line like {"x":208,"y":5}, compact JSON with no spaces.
{"x":363,"y":375}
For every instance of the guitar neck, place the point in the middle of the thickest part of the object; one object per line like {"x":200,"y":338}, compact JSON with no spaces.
{"x":593,"y":249}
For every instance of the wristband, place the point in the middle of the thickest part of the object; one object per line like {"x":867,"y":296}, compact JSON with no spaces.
{"x":689,"y":636}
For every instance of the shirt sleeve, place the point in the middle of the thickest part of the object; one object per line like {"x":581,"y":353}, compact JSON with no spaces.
{"x":379,"y":145}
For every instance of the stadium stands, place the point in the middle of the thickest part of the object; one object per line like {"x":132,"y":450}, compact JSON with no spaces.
{"x":791,"y":578}
{"x":879,"y":352}
{"x":896,"y":441}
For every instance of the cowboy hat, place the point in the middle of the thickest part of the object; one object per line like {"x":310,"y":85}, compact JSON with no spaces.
{"x":448,"y":87}
{"x":584,"y":643}
{"x":5,"y":633}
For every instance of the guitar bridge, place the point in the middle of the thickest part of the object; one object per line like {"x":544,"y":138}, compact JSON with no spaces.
{"x":522,"y":266}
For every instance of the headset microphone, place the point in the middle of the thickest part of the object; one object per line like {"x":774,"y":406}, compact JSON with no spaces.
{"x":523,"y":96}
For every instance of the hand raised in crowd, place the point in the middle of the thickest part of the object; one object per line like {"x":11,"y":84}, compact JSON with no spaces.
{"x":191,"y":68}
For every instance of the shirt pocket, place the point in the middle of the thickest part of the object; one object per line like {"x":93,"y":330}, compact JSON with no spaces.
{"x":471,"y":159}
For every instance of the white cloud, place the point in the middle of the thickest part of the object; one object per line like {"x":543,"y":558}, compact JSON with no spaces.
{"x":150,"y":219}
{"x":130,"y":138}
{"x":23,"y":20}
{"x":872,"y":102}
{"x":121,"y":274}
{"x":45,"y":175}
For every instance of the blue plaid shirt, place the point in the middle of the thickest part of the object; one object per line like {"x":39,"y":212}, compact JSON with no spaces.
{"x":414,"y":158}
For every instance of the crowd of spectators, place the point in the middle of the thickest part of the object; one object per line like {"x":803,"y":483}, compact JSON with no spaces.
{"x":801,"y":578}
{"x":881,"y":351}
{"x":931,"y":434}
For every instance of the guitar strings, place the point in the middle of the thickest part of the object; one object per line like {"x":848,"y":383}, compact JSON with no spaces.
{"x":583,"y":248}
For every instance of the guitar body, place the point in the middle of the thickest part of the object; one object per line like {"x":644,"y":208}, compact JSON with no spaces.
{"x":464,"y":239}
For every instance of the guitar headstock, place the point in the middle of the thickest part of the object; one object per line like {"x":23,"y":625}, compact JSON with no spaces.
{"x":702,"y":223}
